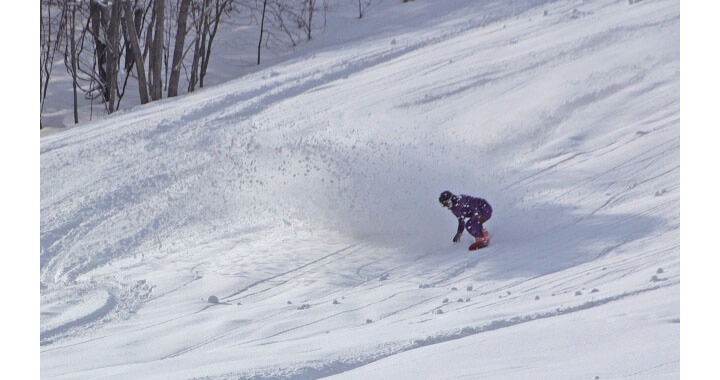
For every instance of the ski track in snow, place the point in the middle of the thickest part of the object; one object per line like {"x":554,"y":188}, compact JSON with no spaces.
{"x":286,"y":195}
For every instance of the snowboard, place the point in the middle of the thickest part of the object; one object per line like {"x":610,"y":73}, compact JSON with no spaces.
{"x":476,"y":246}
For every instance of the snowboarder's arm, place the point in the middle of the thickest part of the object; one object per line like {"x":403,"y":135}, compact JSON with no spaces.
{"x":461,"y":227}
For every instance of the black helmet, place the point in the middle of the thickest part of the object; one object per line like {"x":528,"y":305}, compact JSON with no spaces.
{"x":446,"y":198}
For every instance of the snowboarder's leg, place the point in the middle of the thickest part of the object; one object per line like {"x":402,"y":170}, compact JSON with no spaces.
{"x":482,"y":237}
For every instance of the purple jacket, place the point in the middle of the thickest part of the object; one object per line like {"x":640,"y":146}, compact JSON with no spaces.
{"x":465,"y":206}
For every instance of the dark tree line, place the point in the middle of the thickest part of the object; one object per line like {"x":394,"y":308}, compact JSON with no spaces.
{"x":106,"y":44}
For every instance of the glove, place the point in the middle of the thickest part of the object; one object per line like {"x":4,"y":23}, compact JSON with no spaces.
{"x":456,"y":238}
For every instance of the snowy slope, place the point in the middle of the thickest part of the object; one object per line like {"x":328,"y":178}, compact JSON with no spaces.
{"x":304,"y":196}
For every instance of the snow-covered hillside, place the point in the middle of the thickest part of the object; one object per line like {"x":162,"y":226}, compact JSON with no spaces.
{"x":304,"y":197}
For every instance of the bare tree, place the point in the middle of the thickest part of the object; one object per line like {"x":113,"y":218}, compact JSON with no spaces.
{"x":289,"y":16}
{"x":130,"y":25}
{"x":156,"y":52}
{"x":99,"y":28}
{"x":363,"y":6}
{"x":103,"y":39}
{"x":207,"y":19}
{"x":52,"y":30}
{"x":129,"y":54}
{"x":262,"y":29}
{"x":214,"y":20}
{"x":113,"y":54}
{"x":309,"y":9}
{"x":171,"y":9}
{"x":73,"y":61}
{"x":306,"y":21}
{"x":179,"y":46}
{"x":148,"y":40}
{"x":280,"y":12}
{"x":201,"y":26}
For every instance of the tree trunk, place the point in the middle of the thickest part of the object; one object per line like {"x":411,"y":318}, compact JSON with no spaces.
{"x":311,"y":11}
{"x":262,"y":30}
{"x":203,"y":37}
{"x":73,"y":63}
{"x":48,"y":47}
{"x":42,"y":57}
{"x":98,"y":26}
{"x":129,"y":53}
{"x":113,"y":52}
{"x":178,"y":52}
{"x":148,"y":38}
{"x":138,"y":22}
{"x":157,"y":49}
{"x":194,"y":67}
{"x":199,"y":50}
{"x":148,"y":49}
{"x":203,"y":41}
{"x":216,"y":22}
{"x":135,"y":46}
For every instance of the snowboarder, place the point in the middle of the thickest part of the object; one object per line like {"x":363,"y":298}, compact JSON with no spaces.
{"x":476,"y":210}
